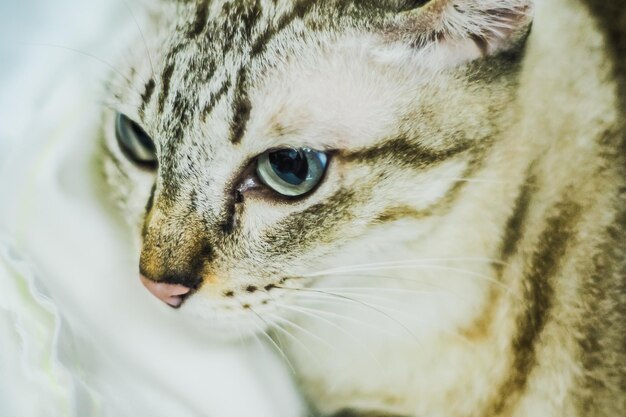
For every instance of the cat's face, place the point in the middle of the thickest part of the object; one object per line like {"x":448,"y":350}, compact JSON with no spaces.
{"x":253,"y":144}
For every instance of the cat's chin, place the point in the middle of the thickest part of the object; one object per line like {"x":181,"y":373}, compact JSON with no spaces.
{"x":214,"y":323}
{"x":219,"y":329}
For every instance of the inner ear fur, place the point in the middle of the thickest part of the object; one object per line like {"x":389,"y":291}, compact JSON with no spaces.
{"x":489,"y":26}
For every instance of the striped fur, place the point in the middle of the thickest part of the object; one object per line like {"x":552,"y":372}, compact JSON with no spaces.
{"x":477,"y":170}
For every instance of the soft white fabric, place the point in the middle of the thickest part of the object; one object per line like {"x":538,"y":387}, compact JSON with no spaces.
{"x":79,"y":336}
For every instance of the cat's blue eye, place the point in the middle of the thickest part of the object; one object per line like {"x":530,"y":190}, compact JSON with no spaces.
{"x":292,"y":172}
{"x":135,"y":142}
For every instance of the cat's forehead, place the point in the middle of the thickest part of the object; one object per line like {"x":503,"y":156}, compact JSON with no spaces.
{"x":212,"y":38}
{"x":215,"y":43}
{"x":218,"y":54}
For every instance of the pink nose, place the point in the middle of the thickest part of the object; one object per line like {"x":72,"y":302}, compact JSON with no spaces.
{"x":170,"y":294}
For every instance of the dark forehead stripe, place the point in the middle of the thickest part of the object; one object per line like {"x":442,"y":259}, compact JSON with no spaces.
{"x":237,"y":23}
{"x":210,"y":72}
{"x":147,"y":95}
{"x":215,"y":98}
{"x":166,"y":79}
{"x":182,"y":112}
{"x":241,"y":108}
{"x":539,"y":294}
{"x":299,"y":11}
{"x":200,"y":21}
{"x":249,"y":17}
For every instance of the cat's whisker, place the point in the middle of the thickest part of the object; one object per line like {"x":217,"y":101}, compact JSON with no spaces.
{"x":479,"y":180}
{"x":379,"y":290}
{"x":410,"y":262}
{"x":272,"y":342}
{"x":414,"y":281}
{"x":290,"y":323}
{"x":303,"y":297}
{"x":337,"y":327}
{"x":302,"y":329}
{"x":467,"y":273}
{"x":346,"y":317}
{"x":306,"y":297}
{"x":387,"y":294}
{"x":282,"y":330}
{"x":110,"y":105}
{"x":384,"y":308}
{"x":145,"y":43}
{"x":424,"y":261}
{"x":85,"y":54}
{"x":240,"y":336}
{"x":383,"y":297}
{"x":363,"y":303}
{"x":255,"y":336}
{"x":374,"y":297}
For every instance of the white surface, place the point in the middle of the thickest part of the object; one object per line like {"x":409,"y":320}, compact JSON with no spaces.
{"x":96,"y":344}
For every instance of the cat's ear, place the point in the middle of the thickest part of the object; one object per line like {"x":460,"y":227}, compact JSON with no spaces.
{"x":456,"y":31}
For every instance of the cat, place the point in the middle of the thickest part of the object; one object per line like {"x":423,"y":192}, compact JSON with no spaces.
{"x":423,"y":202}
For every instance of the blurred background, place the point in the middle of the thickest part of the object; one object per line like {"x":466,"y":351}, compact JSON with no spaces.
{"x":33,"y":35}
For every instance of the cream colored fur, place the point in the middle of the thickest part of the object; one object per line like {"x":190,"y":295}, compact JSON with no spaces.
{"x":411,"y":317}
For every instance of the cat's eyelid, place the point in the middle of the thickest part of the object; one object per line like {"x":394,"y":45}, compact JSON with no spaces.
{"x":295,"y":145}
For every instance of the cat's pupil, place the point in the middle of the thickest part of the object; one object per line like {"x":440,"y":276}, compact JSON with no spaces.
{"x":290,"y":165}
{"x":143,"y":138}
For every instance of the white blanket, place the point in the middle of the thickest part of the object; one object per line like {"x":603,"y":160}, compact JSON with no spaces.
{"x":79,"y":336}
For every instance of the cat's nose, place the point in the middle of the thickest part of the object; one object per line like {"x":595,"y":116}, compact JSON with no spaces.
{"x":170,"y":294}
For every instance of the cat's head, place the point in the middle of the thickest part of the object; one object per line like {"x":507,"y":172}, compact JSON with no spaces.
{"x":253,"y":144}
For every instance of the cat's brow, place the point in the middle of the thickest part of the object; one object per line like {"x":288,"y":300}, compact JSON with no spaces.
{"x":247,"y":21}
{"x":404,"y":151}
